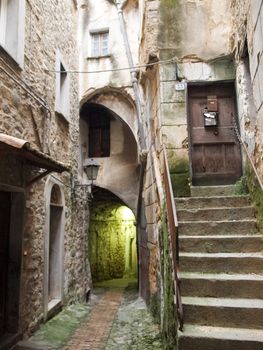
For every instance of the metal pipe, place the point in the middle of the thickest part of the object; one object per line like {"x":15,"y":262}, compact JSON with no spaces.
{"x":133,"y":74}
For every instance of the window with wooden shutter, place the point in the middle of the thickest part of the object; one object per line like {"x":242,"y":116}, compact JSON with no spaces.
{"x":99,"y":136}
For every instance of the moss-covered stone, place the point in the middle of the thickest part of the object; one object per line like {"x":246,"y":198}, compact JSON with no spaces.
{"x":155,"y":307}
{"x":57,"y":332}
{"x":169,"y":324}
{"x":178,"y":165}
{"x":112,"y":241}
{"x":180,"y":183}
{"x":256,"y":195}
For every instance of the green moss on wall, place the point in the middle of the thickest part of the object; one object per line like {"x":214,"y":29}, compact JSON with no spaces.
{"x":178,"y":165}
{"x":169,"y":329}
{"x":111,"y":242}
{"x":180,"y":183}
{"x":179,"y":171}
{"x":155,"y":307}
{"x":256,"y":195}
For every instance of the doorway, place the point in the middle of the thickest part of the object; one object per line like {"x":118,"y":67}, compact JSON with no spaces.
{"x":5,"y":208}
{"x":215,"y":149}
{"x":54,"y":250}
{"x":12,"y":204}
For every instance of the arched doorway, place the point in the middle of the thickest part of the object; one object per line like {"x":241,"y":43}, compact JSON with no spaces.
{"x":112,"y":239}
{"x":54,"y":238}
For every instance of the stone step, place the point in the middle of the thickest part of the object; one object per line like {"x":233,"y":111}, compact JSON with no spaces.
{"x":221,"y":243}
{"x":27,"y":345}
{"x":216,"y":214}
{"x":211,"y":191}
{"x":222,"y":262}
{"x":195,"y":337}
{"x":211,"y":202}
{"x":224,"y":312}
{"x":200,"y":228}
{"x":222,"y":285}
{"x":8,"y":340}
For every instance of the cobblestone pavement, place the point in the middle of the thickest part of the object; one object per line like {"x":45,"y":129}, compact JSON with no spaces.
{"x":114,"y":319}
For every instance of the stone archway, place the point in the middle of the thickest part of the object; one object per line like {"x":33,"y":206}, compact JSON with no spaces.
{"x":112,"y":238}
{"x":119,"y":166}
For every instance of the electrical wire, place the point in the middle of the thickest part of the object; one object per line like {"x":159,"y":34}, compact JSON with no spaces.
{"x":174,"y":59}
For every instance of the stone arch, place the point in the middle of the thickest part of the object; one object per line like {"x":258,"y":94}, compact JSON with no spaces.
{"x":119,"y":168}
{"x":118,"y":194}
{"x":117,"y":101}
{"x":112,"y":237}
{"x":53,"y":246}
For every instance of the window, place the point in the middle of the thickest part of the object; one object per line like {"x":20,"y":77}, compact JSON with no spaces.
{"x":99,"y":136}
{"x":12,"y":23}
{"x":62,"y":88}
{"x":100,"y":43}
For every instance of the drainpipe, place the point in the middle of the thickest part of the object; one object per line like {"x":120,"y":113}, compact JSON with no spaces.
{"x":142,"y":137}
{"x":133,"y":74}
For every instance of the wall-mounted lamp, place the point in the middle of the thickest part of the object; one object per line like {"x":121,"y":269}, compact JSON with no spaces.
{"x":91,"y":169}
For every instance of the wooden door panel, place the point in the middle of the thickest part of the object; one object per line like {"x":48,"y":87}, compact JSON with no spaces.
{"x":214,"y":150}
{"x":5,"y":202}
{"x":212,"y":136}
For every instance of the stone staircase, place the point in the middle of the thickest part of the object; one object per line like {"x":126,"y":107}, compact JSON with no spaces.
{"x":221,"y":269}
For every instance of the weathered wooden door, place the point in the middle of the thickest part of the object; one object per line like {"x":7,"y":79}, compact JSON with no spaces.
{"x":5,"y":202}
{"x":215,"y":150}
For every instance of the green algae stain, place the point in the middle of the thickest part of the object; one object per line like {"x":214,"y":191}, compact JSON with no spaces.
{"x":58,"y":331}
{"x":255,"y":194}
{"x":112,"y":241}
{"x":179,"y":171}
{"x":169,"y":317}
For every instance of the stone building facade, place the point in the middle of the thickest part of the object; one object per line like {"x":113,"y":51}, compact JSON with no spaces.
{"x":116,"y":81}
{"x":44,"y":216}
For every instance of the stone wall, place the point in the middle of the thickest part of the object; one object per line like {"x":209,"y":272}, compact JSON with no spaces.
{"x":27,"y":111}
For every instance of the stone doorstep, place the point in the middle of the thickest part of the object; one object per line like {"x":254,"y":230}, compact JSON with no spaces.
{"x":27,"y":345}
{"x":210,"y":191}
{"x":8,"y":340}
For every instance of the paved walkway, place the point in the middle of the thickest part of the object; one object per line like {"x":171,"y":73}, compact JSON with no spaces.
{"x":94,"y":333}
{"x":114,"y":319}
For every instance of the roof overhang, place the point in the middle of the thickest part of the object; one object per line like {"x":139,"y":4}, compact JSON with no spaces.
{"x":22,"y":149}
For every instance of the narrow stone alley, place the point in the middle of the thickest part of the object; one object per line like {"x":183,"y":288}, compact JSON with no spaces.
{"x":114,"y":318}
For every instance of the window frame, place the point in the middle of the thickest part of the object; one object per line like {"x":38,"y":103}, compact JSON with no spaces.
{"x":20,"y":34}
{"x":99,"y":137}
{"x":99,"y":33}
{"x":62,"y":98}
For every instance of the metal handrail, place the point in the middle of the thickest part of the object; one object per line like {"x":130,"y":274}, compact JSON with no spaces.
{"x":173,"y":239}
{"x":242,"y":143}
